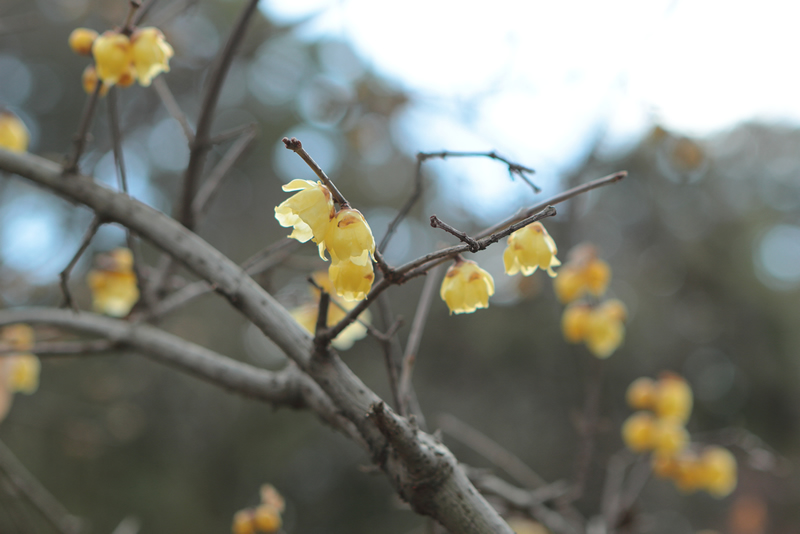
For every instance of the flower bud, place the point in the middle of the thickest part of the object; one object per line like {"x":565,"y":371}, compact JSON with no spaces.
{"x":639,"y":432}
{"x":641,"y":394}
{"x":13,"y":133}
{"x":81,"y":40}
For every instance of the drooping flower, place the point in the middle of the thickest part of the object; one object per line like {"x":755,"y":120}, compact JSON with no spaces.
{"x":309,"y":212}
{"x":583,"y":273}
{"x":151,"y":54}
{"x":349,"y":237}
{"x":306,"y":314}
{"x":671,"y":436}
{"x":531,"y":248}
{"x":466,"y":287}
{"x":81,"y":40}
{"x":639,"y":432}
{"x":13,"y":133}
{"x":112,"y":56}
{"x":350,"y":280}
{"x":113,"y":283}
{"x":674,"y":397}
{"x":264,"y":518}
{"x":90,"y":80}
{"x":605,"y":330}
{"x":575,"y":322}
{"x":719,"y":471}
{"x":19,"y":371}
{"x":641,"y":394}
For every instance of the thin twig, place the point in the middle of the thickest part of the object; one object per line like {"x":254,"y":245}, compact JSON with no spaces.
{"x":296,"y":146}
{"x":514,"y":169}
{"x":128,"y":25}
{"x":217,"y":176}
{"x":79,"y":140}
{"x":200,"y":147}
{"x":55,"y":513}
{"x":144,"y":8}
{"x":168,"y":99}
{"x":557,"y":199}
{"x":390,"y":356}
{"x":436,"y":222}
{"x":415,"y":338}
{"x":491,"y":450}
{"x":401,"y":214}
{"x":64,"y":276}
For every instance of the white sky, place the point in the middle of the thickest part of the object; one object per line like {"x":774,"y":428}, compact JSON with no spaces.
{"x":537,"y":80}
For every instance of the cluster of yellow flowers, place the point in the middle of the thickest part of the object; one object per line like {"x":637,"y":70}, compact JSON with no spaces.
{"x":113,"y":283}
{"x":19,"y":371}
{"x":467,"y":287}
{"x":601,"y":326}
{"x":344,"y":234}
{"x":266,"y":517}
{"x":13,"y":133}
{"x":659,"y":427}
{"x":120,"y":59}
{"x":307,"y":314}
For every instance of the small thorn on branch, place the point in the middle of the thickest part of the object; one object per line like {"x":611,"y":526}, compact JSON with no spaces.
{"x":474,"y":246}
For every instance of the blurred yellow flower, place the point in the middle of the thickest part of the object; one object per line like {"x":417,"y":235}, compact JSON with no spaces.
{"x":309,"y":212}
{"x":687,"y":472}
{"x":671,"y":437}
{"x":112,"y":56}
{"x":264,"y":518}
{"x":641,"y":394}
{"x":19,"y":371}
{"x":531,"y":248}
{"x":349,"y":237}
{"x":719,"y":471}
{"x":267,"y":518}
{"x":606,"y":329}
{"x":306,"y":315}
{"x":89,"y":80}
{"x":466,"y":287}
{"x":151,"y":54}
{"x":13,"y":133}
{"x":113,"y":283}
{"x":583,"y":273}
{"x":19,"y":336}
{"x":575,"y":322}
{"x":243,"y":522}
{"x":350,"y":280}
{"x":639,"y":432}
{"x":674,"y":397}
{"x":81,"y":40}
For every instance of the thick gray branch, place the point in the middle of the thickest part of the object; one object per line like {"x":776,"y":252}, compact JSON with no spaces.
{"x":451,"y":498}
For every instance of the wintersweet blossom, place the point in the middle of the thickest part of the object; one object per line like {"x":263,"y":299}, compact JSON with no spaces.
{"x":112,"y":56}
{"x":19,"y":371}
{"x":13,"y":133}
{"x":113,"y":283}
{"x":719,"y":471}
{"x":307,"y":314}
{"x":466,"y":287}
{"x":531,"y":248}
{"x":605,"y":329}
{"x":583,"y":273}
{"x":309,"y":212}
{"x":350,"y":280}
{"x":151,"y":54}
{"x":641,"y":394}
{"x":639,"y":432}
{"x":89,"y":80}
{"x":349,"y":237}
{"x":81,"y":40}
{"x":674,"y":397}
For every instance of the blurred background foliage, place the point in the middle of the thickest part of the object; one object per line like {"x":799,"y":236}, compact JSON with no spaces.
{"x":703,"y":238}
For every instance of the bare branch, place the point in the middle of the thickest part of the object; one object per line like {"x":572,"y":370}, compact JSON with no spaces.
{"x":296,"y":146}
{"x":401,"y":214}
{"x":436,"y":222}
{"x":514,"y":169}
{"x":200,"y":147}
{"x":37,"y":495}
{"x":161,"y":87}
{"x":79,"y":140}
{"x":217,"y":176}
{"x":64,"y":276}
{"x":65,"y":348}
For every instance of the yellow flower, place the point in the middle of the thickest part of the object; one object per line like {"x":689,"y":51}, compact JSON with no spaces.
{"x":674,"y":398}
{"x":272,"y":497}
{"x":689,"y":473}
{"x":670,"y":436}
{"x":466,"y":287}
{"x":664,"y":465}
{"x":583,"y":273}
{"x":531,"y":248}
{"x":349,"y":237}
{"x":351,"y":280}
{"x":23,"y":372}
{"x":719,"y":471}
{"x":89,"y":80}
{"x":113,"y":283}
{"x":310,"y":211}
{"x":641,"y":394}
{"x":81,"y":40}
{"x":112,"y":56}
{"x":306,"y":315}
{"x":267,"y":518}
{"x":151,"y":54}
{"x":575,"y":322}
{"x":639,"y":432}
{"x":13,"y":133}
{"x":605,"y":329}
{"x":243,"y":522}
